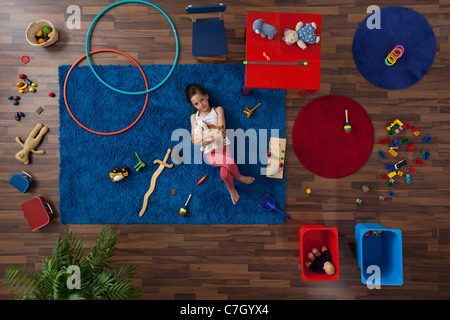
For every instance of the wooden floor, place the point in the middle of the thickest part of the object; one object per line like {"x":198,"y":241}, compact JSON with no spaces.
{"x":239,"y":261}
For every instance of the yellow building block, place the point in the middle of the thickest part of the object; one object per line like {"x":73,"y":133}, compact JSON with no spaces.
{"x":398,"y":122}
{"x":392,"y":174}
{"x":393,"y":152}
{"x":400,"y":173}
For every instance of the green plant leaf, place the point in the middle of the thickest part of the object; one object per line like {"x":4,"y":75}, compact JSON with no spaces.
{"x":99,"y":280}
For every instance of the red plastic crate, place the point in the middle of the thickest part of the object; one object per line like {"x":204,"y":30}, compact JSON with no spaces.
{"x":315,"y":236}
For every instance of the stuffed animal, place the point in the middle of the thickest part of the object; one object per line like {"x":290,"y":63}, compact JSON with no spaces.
{"x":301,"y":35}
{"x":30,"y":145}
{"x":264,"y":29}
{"x":204,"y":128}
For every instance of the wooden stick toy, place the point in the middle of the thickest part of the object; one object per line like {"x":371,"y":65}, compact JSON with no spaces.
{"x":347,"y":127}
{"x":183,"y":210}
{"x":162,"y":164}
{"x":249,"y":112}
{"x":30,"y":145}
{"x":277,"y":63}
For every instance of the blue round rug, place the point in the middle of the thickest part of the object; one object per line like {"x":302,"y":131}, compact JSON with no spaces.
{"x":399,"y":26}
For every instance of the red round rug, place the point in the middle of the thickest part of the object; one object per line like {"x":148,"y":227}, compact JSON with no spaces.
{"x":321,"y":143}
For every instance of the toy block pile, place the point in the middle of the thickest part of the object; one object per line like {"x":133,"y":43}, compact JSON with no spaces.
{"x":395,"y":145}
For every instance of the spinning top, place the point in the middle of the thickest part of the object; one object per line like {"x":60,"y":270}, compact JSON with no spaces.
{"x":347,"y":127}
{"x":183,"y":210}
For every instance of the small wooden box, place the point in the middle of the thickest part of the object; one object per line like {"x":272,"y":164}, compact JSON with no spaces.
{"x":275,"y":164}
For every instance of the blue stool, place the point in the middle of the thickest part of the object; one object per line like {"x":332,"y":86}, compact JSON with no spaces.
{"x":208,"y":34}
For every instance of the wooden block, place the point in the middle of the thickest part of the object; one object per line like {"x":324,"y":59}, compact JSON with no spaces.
{"x":277,"y":148}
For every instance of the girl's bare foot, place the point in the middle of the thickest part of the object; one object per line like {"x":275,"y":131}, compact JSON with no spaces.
{"x":234,"y":195}
{"x":246,"y":179}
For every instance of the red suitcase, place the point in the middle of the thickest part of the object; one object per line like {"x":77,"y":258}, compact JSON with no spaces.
{"x":37,"y":211}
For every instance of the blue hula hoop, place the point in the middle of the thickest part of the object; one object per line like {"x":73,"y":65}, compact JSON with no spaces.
{"x":88,"y":36}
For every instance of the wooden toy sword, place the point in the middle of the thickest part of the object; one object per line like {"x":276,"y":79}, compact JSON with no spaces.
{"x":162,"y":164}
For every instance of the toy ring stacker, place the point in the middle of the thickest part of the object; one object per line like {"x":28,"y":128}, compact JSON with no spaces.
{"x":88,"y":36}
{"x":396,"y":53}
{"x":67,"y":104}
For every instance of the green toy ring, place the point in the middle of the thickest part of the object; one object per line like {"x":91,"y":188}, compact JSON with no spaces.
{"x":88,"y":36}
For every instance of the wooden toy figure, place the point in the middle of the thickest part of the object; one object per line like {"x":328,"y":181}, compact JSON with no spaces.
{"x":347,"y":127}
{"x":30,"y":145}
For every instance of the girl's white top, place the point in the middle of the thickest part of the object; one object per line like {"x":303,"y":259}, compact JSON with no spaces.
{"x":212,"y":119}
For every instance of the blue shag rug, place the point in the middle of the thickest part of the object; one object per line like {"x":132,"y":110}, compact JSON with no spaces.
{"x":88,"y":196}
{"x":401,"y":26}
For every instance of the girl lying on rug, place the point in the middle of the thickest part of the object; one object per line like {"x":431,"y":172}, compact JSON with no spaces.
{"x":214,"y":118}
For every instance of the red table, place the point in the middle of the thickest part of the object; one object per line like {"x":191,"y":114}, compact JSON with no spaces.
{"x":281,"y":76}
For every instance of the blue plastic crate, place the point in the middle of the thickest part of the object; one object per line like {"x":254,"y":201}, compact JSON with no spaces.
{"x":383,"y":250}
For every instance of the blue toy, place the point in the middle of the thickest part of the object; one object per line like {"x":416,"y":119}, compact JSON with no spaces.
{"x":427,"y":139}
{"x":381,"y":154}
{"x":22,"y":181}
{"x":390,"y":167}
{"x":408,"y":178}
{"x":264,"y":29}
{"x":268,"y":204}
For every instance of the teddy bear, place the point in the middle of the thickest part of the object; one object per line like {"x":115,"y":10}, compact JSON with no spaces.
{"x":204,"y":128}
{"x":32,"y":142}
{"x":264,"y":29}
{"x":301,"y":35}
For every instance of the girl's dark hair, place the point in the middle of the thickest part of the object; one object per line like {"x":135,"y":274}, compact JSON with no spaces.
{"x":192,"y":89}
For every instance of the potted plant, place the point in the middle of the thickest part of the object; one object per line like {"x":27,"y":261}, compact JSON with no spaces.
{"x":72,"y":273}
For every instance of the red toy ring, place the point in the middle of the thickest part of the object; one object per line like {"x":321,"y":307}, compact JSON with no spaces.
{"x":106,"y":133}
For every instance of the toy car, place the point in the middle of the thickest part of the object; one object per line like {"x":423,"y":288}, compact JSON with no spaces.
{"x":408,"y":178}
{"x":393,"y":146}
{"x":400,"y":164}
{"x":118,"y":174}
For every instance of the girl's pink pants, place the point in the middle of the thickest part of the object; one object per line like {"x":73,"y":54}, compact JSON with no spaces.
{"x":228,"y":168}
